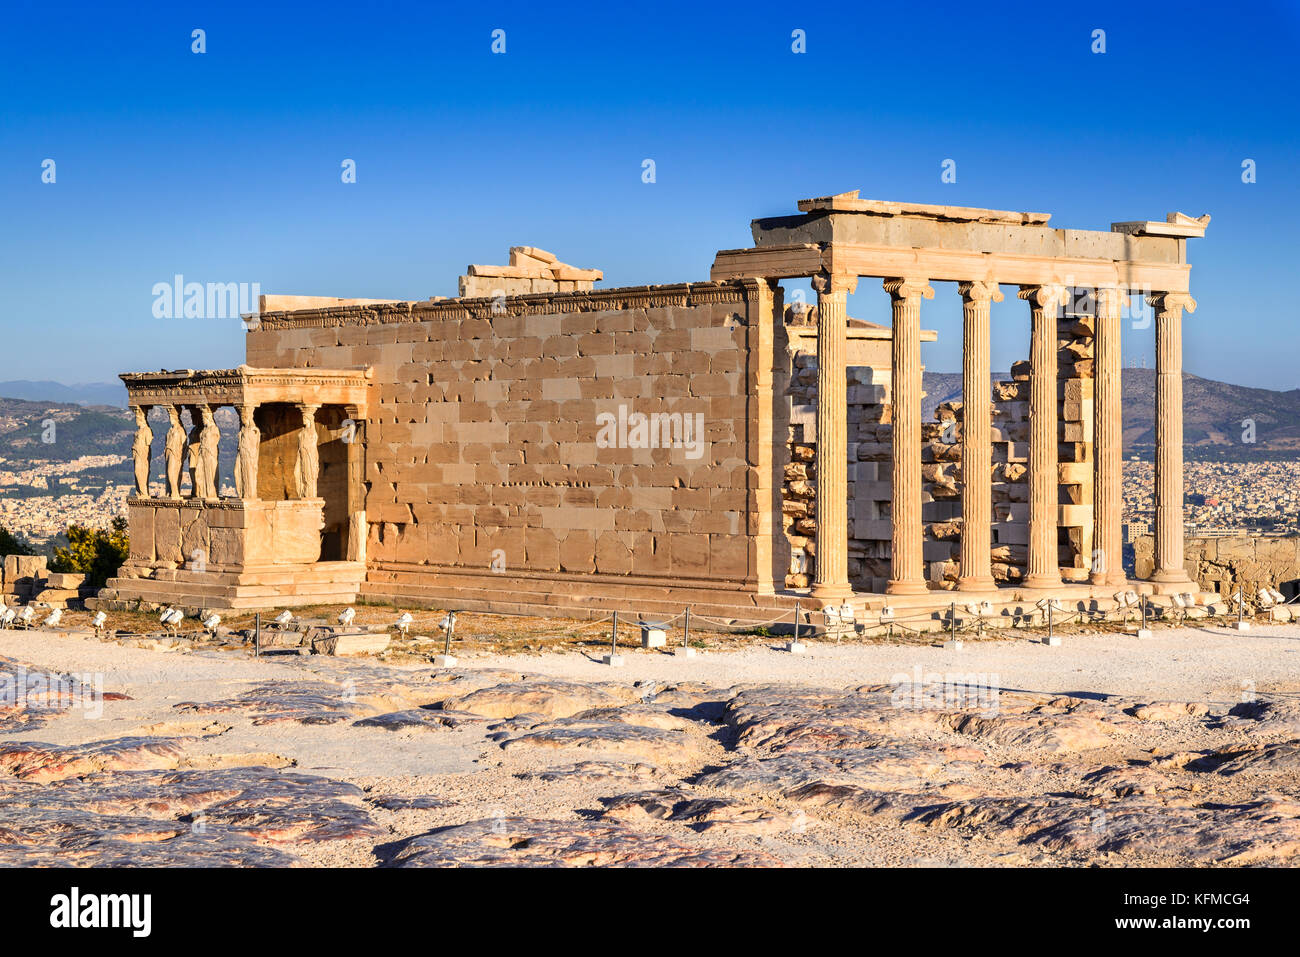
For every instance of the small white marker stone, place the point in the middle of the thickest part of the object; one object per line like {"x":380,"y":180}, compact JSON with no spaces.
{"x":614,"y":661}
{"x":444,"y":661}
{"x":1241,"y":625}
{"x":795,"y":647}
{"x":653,"y":638}
{"x":1145,"y":634}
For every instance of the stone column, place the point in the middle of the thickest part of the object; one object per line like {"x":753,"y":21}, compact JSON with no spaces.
{"x":306,"y":469}
{"x":247,"y":454}
{"x":1108,"y":438}
{"x":976,"y":437}
{"x":141,"y":450}
{"x":1044,"y":477}
{"x":1169,"y":434}
{"x":907,"y":572}
{"x":831,"y":582}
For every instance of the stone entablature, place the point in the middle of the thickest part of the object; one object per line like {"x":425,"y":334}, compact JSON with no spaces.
{"x":248,"y":386}
{"x":843,"y":234}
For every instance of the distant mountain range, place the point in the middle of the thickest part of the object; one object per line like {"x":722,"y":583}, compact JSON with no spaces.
{"x":89,"y":393}
{"x":1216,"y":415}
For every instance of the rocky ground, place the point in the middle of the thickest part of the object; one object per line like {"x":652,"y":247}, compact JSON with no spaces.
{"x":1180,"y":750}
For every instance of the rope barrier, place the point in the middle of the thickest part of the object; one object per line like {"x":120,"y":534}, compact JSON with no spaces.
{"x":963,"y":621}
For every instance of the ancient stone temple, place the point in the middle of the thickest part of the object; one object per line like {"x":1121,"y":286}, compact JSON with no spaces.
{"x":540,"y":445}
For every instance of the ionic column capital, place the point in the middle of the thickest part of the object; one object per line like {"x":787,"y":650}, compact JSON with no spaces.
{"x":1045,"y":297}
{"x":834,"y":283}
{"x":1171,"y":303}
{"x":1110,"y":300}
{"x":909,"y":288}
{"x":979,"y":290}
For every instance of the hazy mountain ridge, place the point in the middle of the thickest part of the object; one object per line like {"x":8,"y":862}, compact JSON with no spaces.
{"x":1213,"y":412}
{"x":87,"y":393}
{"x":61,"y":431}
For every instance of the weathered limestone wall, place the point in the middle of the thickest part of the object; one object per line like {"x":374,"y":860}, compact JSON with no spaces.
{"x":484,"y":445}
{"x":1224,"y":564}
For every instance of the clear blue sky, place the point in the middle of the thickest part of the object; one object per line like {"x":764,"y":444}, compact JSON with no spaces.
{"x":225,"y":166}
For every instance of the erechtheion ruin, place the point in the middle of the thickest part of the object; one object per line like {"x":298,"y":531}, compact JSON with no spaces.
{"x":539,"y":445}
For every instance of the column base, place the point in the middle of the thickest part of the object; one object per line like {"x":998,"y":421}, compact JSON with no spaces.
{"x":976,"y":583}
{"x":1109,"y":580}
{"x":905,"y":586}
{"x":1041,"y":582}
{"x":829,"y":591}
{"x":1174,"y":576}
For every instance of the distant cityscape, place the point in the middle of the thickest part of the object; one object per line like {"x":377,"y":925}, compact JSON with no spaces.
{"x":1221,"y":498}
{"x":74,"y":492}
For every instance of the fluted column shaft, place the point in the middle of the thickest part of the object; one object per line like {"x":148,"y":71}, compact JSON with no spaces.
{"x":831,"y":581}
{"x":907,"y":569}
{"x":976,"y":437}
{"x":1044,"y":474}
{"x":1169,"y":434}
{"x":1108,"y":437}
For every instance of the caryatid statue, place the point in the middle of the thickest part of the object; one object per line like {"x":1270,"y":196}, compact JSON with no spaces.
{"x":307,"y":468}
{"x":250,"y":445}
{"x":141,"y":450}
{"x":192,"y":448}
{"x":174,"y":452}
{"x":209,"y":446}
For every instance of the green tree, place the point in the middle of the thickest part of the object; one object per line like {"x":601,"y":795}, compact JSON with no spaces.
{"x":11,"y":544}
{"x":95,"y":552}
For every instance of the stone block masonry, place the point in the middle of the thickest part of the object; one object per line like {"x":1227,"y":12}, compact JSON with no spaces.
{"x":1225,"y":564}
{"x":610,"y":434}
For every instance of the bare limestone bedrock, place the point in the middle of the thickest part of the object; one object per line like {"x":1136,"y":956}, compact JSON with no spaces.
{"x":524,"y":842}
{"x":675,"y":774}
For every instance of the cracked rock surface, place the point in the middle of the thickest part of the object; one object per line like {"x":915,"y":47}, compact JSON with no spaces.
{"x":185,"y":759}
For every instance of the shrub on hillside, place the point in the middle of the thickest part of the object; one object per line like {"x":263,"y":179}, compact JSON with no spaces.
{"x":95,"y":552}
